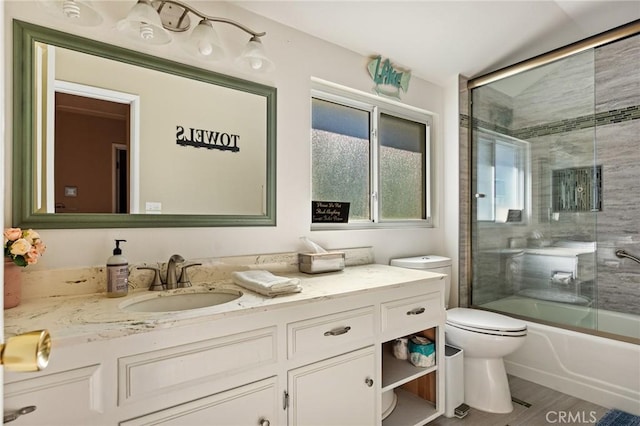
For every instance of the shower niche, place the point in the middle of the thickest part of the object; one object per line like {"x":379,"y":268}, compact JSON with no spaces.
{"x":577,"y":189}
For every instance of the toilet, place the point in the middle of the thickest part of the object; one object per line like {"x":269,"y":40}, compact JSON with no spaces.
{"x":484,"y":337}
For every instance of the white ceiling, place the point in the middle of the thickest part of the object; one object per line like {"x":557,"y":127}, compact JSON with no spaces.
{"x":437,"y":40}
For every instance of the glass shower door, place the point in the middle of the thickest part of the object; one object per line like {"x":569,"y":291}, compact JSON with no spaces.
{"x":537,"y":191}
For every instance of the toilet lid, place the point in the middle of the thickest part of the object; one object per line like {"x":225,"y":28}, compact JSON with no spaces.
{"x":485,"y":322}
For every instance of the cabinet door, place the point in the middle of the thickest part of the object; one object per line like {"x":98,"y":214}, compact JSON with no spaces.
{"x":252,"y":404}
{"x":339,"y":391}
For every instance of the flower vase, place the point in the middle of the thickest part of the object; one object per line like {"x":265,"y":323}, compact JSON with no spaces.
{"x":12,"y":284}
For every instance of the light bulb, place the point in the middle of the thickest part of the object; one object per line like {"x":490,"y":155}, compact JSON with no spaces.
{"x":71,"y":9}
{"x":146,"y":31}
{"x":256,"y":63}
{"x":205,"y":48}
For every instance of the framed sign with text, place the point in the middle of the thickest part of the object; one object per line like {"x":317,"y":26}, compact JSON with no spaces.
{"x":329,"y":212}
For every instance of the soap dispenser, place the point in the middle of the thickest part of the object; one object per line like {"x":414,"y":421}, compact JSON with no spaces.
{"x":117,"y":273}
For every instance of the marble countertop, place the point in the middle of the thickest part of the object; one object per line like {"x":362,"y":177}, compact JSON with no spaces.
{"x":86,"y":318}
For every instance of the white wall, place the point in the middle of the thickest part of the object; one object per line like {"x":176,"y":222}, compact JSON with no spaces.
{"x":298,"y":57}
{"x":451,"y":196}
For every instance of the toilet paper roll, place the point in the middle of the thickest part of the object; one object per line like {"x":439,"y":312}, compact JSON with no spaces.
{"x":562,"y":278}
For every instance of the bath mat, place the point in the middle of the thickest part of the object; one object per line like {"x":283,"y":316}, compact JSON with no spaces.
{"x":618,"y":418}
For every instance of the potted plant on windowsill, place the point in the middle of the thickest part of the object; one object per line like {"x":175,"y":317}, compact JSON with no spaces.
{"x":21,"y":248}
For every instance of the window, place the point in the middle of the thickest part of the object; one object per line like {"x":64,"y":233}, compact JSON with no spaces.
{"x":374,"y":155}
{"x":501,"y":178}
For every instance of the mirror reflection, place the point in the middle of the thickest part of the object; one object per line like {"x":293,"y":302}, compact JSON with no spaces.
{"x":119,"y":133}
{"x":90,"y":156}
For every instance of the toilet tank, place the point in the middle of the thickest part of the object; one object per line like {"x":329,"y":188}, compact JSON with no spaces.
{"x":431,"y":263}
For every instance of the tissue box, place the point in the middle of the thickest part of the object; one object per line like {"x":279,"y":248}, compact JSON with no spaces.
{"x":422,"y":352}
{"x":316,"y":263}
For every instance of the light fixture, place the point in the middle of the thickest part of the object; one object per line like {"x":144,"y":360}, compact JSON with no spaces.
{"x":80,"y":12}
{"x":148,"y":21}
{"x":144,"y":23}
{"x":253,"y":57}
{"x":204,"y":42}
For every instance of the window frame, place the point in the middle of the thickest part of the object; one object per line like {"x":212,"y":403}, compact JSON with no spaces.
{"x":524,"y":173}
{"x":375,"y":106}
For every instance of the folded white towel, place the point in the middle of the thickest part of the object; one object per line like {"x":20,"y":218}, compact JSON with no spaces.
{"x":265,"y":283}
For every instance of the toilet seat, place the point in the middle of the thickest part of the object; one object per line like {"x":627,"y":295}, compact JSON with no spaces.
{"x":484,"y":322}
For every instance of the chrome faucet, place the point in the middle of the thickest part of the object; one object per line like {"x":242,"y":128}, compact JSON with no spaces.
{"x":172,"y":275}
{"x":172,"y":280}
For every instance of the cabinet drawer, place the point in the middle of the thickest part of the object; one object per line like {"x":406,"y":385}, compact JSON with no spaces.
{"x":252,"y":404}
{"x":52,"y":393}
{"x":338,"y":331}
{"x":171,"y":369}
{"x":411,"y":314}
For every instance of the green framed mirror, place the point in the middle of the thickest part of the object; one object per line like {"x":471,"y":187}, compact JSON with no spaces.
{"x":107,"y":137}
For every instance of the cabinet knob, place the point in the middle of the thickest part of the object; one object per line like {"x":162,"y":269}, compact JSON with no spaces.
{"x":369,"y":381}
{"x":264,"y":422}
{"x":416,"y":311}
{"x":10,"y":416}
{"x":337,"y":331}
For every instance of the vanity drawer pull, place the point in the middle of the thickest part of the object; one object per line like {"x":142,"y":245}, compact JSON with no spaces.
{"x":416,"y":311}
{"x":10,"y":416}
{"x":369,"y":381}
{"x":338,"y":331}
{"x":342,"y":330}
{"x":410,"y":314}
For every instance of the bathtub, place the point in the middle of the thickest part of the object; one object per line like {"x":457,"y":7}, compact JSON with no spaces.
{"x":596,"y":369}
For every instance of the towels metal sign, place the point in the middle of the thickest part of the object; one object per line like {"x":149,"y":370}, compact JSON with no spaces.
{"x":210,"y":139}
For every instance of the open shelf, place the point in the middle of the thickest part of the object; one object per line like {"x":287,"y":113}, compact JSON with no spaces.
{"x":396,"y":372}
{"x":411,"y":410}
{"x":419,"y":390}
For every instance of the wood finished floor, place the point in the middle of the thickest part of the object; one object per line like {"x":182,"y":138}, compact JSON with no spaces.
{"x":547,"y":407}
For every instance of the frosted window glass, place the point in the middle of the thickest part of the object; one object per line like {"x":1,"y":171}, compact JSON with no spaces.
{"x":340,"y":159}
{"x":402,"y":168}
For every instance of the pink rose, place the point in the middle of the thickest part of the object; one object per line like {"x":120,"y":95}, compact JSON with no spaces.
{"x":12,"y":234}
{"x":33,"y":256}
{"x":40,"y":247}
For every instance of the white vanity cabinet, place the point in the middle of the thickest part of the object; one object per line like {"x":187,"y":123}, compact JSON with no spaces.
{"x":338,"y":391}
{"x":335,"y":384}
{"x":218,"y":372}
{"x":228,"y":376}
{"x":320,"y":357}
{"x":402,"y":318}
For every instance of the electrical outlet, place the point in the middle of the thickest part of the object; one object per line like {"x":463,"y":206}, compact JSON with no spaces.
{"x":153,"y":207}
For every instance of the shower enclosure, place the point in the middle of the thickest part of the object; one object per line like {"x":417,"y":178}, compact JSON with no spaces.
{"x":555,"y":187}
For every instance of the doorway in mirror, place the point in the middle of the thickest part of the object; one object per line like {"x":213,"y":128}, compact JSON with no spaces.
{"x":91,"y":167}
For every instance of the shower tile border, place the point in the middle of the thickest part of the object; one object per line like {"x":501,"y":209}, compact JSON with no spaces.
{"x":561,"y":126}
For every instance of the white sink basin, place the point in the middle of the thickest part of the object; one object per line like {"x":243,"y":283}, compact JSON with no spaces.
{"x":168,"y":302}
